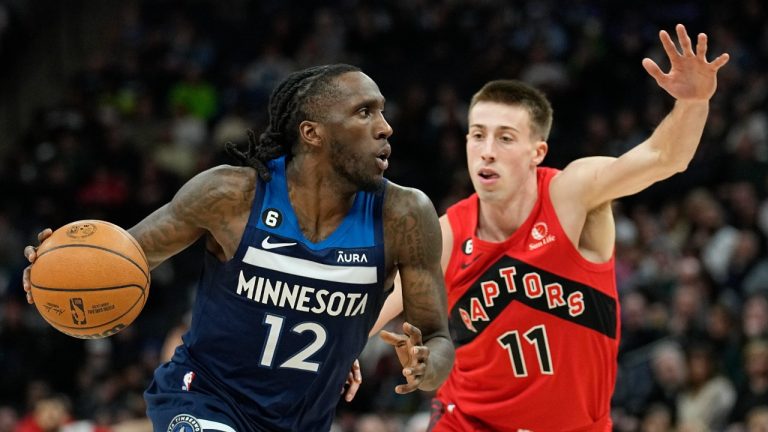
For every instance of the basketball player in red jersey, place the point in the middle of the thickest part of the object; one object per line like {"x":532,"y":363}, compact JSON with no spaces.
{"x":528,"y":259}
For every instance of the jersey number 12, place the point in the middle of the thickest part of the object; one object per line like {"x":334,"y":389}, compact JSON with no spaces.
{"x":298,"y":360}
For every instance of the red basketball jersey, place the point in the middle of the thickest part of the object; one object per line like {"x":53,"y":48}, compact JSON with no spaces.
{"x":536,"y":326}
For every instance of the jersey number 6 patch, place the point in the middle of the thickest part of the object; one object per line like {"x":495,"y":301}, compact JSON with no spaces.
{"x":272,"y":217}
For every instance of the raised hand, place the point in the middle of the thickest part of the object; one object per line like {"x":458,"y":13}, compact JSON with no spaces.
{"x":691,"y":76}
{"x":412,"y":353}
{"x":30,"y":252}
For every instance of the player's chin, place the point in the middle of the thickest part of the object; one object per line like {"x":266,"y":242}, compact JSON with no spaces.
{"x":373,"y":183}
{"x":480,"y":186}
{"x":489,"y":194}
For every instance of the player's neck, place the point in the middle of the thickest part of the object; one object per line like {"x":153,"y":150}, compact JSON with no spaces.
{"x":320,"y":199}
{"x":498,"y":219}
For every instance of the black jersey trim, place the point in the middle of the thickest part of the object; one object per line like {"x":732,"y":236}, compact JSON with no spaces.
{"x":598,"y":314}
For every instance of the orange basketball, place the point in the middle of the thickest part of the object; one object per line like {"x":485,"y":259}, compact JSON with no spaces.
{"x":90,"y":279}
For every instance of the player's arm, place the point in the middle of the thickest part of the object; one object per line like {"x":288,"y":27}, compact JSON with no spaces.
{"x":692,"y":81}
{"x":428,"y":354}
{"x":206,"y":203}
{"x":393,"y":306}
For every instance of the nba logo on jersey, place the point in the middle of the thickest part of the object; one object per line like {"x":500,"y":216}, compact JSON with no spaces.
{"x":184,"y":423}
{"x":187,"y":381}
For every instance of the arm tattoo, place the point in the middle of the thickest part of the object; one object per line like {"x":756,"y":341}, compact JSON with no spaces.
{"x":415,"y":236}
{"x":207,"y":202}
{"x":415,"y":231}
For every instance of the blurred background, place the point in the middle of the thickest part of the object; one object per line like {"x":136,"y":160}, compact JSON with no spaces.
{"x":107,"y":107}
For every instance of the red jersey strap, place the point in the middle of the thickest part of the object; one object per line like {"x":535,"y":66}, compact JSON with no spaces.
{"x":546,"y":210}
{"x":462,"y":217}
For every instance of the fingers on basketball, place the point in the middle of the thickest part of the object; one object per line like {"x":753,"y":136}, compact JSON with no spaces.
{"x":90,"y":279}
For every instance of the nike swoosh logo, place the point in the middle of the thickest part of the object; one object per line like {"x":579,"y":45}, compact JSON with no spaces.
{"x":265,"y":244}
{"x":469,"y":263}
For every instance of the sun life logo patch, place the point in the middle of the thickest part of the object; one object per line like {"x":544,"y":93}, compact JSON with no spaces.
{"x":184,"y":423}
{"x":541,"y":236}
{"x":539,"y":231}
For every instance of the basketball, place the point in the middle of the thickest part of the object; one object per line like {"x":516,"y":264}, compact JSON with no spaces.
{"x":90,"y":279}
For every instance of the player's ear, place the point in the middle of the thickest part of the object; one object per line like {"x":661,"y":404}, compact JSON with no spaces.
{"x":311,"y":133}
{"x":540,"y":151}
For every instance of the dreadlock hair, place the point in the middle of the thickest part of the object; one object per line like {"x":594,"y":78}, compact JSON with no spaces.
{"x":294,"y":100}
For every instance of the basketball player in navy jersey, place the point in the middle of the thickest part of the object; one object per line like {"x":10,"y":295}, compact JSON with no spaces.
{"x":301,"y":245}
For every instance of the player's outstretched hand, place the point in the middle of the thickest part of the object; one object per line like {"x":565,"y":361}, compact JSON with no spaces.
{"x":30,"y":252}
{"x":691,"y":76}
{"x":354,"y":379}
{"x":412,"y":353}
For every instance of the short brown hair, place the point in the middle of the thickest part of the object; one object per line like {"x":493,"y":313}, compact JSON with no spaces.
{"x":513,"y":92}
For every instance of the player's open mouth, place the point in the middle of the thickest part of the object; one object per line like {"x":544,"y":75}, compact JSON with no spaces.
{"x":383,"y":157}
{"x":487,"y":174}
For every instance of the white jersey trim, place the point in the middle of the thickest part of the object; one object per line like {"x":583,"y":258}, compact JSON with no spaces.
{"x":310,"y":269}
{"x":215,"y":426}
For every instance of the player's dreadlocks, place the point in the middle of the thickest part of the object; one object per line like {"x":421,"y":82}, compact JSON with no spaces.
{"x":290,"y":104}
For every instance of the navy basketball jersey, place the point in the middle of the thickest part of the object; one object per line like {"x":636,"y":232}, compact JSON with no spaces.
{"x":275,"y":330}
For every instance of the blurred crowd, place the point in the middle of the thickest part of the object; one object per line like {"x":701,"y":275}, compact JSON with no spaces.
{"x":175,"y":80}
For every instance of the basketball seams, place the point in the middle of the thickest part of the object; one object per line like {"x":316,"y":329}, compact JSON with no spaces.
{"x":96,"y":270}
{"x":133,"y":241}
{"x":101,"y":324}
{"x":45,"y":288}
{"x":146,"y":276}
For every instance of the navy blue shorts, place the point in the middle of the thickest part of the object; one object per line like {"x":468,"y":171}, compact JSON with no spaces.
{"x":177,"y":401}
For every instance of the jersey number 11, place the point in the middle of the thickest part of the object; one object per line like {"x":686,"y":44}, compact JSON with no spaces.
{"x":536,"y":336}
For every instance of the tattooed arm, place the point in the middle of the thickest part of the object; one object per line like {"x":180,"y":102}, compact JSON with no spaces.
{"x":215,"y":201}
{"x":413,"y":231}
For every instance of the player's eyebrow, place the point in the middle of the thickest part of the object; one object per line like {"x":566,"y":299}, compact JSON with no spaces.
{"x":509,"y":128}
{"x":373,"y":101}
{"x":503,"y":127}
